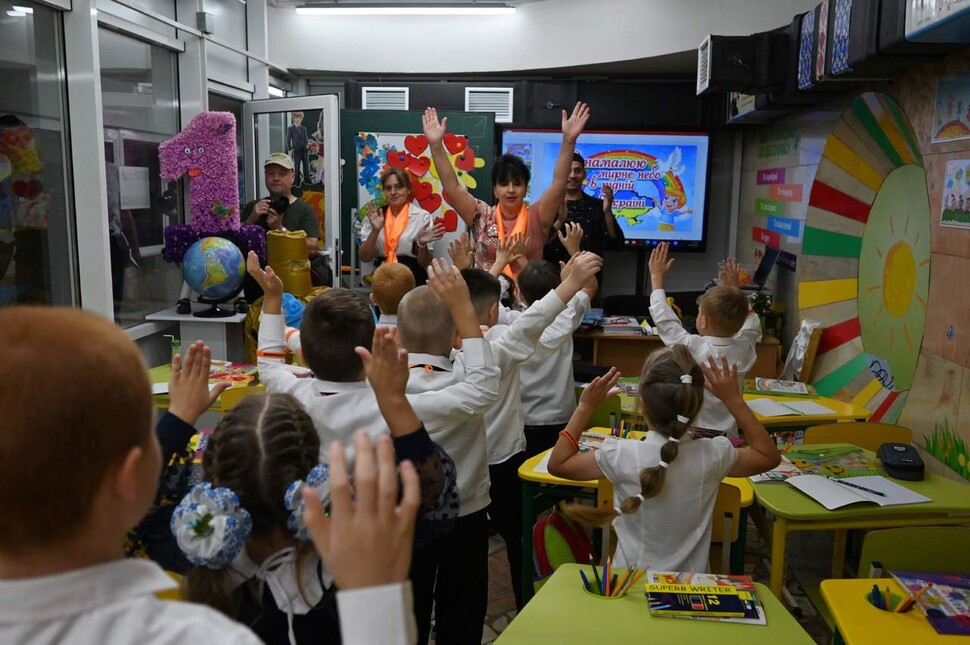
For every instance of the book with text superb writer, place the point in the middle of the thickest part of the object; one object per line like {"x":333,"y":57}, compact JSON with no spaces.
{"x":834,"y":494}
{"x":704,"y":596}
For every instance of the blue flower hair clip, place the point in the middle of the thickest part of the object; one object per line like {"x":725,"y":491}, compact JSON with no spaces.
{"x":319,"y":481}
{"x":210,"y":526}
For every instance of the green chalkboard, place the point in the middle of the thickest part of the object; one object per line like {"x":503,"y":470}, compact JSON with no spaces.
{"x":478,"y":127}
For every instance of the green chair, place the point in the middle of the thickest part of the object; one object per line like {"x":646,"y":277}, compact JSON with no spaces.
{"x":860,"y":433}
{"x":924,"y":548}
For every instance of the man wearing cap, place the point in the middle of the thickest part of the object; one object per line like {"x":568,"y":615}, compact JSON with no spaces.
{"x":282,"y":211}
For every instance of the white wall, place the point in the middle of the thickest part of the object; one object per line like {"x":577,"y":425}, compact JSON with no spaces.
{"x":542,"y":34}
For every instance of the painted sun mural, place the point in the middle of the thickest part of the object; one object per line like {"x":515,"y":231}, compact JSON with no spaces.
{"x":869,"y":227}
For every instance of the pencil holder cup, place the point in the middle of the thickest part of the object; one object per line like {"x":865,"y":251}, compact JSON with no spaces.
{"x":595,"y":594}
{"x":894,"y":602}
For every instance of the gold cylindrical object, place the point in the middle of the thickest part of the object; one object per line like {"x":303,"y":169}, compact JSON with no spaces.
{"x":287,"y":254}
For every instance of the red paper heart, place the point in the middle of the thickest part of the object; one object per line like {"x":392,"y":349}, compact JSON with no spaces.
{"x":449,"y":221}
{"x":431,"y":203}
{"x":416,"y":144}
{"x":466,"y":160}
{"x":455,"y":143}
{"x":421,"y":189}
{"x":420,"y":166}
{"x":398,"y":158}
{"x":19,"y":188}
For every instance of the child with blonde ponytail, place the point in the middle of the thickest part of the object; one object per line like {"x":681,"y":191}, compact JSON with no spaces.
{"x":664,"y":486}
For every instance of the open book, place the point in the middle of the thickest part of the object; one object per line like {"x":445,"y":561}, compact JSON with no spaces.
{"x":772,"y":408}
{"x":833,"y":494}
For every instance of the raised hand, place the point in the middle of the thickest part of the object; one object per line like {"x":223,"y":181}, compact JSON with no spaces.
{"x":367,"y":540}
{"x":571,"y":236}
{"x":460,"y":251}
{"x":602,"y":388}
{"x":188,"y":385}
{"x":606,"y":194}
{"x":730,"y":274}
{"x":722,"y":380}
{"x":430,"y":233}
{"x":434,"y":130}
{"x":386,"y":364}
{"x":660,"y":263}
{"x":375,"y":215}
{"x":581,"y":268}
{"x":447,"y":285}
{"x":266,"y":278}
{"x":573,"y":125}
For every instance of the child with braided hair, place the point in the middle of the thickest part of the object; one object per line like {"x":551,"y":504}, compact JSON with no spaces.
{"x":243,"y":526}
{"x":664,"y":486}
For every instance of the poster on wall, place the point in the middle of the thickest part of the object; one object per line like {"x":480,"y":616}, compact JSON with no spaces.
{"x":951,"y":119}
{"x":378,"y":151}
{"x":955,"y":206}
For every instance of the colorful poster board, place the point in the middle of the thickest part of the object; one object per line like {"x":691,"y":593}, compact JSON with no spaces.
{"x":955,"y":203}
{"x":951,"y":120}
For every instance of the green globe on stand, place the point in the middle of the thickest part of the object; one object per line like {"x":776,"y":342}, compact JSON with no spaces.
{"x":215,"y":269}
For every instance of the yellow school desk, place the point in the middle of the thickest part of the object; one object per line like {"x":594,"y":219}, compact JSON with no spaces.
{"x":540,"y":490}
{"x":563,"y":613}
{"x":840,"y":412}
{"x":226,"y":401}
{"x":626,"y":352}
{"x":859,"y":623}
{"x":795,"y":511}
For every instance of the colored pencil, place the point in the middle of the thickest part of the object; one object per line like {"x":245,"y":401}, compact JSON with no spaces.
{"x":606,"y":578}
{"x":630,"y":578}
{"x":889,"y":600}
{"x":626,"y":576}
{"x":582,"y":574}
{"x":613,"y":586}
{"x":596,"y":575}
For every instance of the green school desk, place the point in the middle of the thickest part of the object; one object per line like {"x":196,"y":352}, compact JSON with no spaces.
{"x":540,"y":490}
{"x":563,"y":613}
{"x":226,"y":401}
{"x":840,"y":411}
{"x":795,"y":511}
{"x":859,"y":623}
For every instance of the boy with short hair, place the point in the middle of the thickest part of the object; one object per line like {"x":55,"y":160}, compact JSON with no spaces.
{"x":511,"y":346}
{"x":726,"y":326}
{"x":76,"y":477}
{"x":391,"y":282}
{"x":548,"y":391}
{"x":339,"y":399}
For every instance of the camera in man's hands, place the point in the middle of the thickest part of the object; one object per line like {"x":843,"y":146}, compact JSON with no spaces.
{"x":280,"y":205}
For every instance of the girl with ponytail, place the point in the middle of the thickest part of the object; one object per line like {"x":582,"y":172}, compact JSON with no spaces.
{"x":664,"y":486}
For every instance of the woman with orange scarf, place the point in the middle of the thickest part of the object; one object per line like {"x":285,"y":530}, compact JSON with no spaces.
{"x":510,"y":183}
{"x":402,"y":231}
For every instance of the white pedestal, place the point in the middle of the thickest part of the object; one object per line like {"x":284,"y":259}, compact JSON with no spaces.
{"x":224,"y":336}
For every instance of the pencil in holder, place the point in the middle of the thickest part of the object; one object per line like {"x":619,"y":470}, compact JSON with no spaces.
{"x":895,"y":600}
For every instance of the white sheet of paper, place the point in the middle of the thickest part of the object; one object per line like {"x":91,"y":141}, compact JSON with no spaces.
{"x":769,"y":408}
{"x":135,"y":187}
{"x":833,"y":495}
{"x":807,"y":407}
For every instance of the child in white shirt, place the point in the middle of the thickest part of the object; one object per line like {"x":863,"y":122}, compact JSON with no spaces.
{"x":665,"y":486}
{"x":511,"y":345}
{"x":77,"y":476}
{"x":727,"y":329}
{"x":548,"y":390}
{"x":392,"y":281}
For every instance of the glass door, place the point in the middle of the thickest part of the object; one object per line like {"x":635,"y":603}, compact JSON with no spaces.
{"x":305,"y":132}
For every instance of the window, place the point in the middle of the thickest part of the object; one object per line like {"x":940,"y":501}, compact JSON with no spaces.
{"x":139,"y":97}
{"x":38,"y":263}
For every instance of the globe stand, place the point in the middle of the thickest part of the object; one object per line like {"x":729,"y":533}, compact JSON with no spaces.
{"x":213,"y":311}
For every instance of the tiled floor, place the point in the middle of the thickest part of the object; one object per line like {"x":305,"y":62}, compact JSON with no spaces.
{"x":809,"y":558}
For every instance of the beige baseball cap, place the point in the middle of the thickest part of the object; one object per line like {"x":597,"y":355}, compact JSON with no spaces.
{"x":279,"y":159}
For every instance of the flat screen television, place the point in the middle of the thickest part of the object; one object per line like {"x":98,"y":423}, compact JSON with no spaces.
{"x":659,"y":179}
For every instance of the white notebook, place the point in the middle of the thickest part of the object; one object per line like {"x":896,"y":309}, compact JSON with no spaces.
{"x":771,"y":408}
{"x":832,"y":495}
